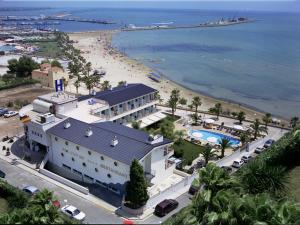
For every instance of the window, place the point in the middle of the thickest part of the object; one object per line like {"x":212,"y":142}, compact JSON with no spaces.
{"x":89,"y":152}
{"x":108,"y":175}
{"x":76,"y":171}
{"x":115,"y":163}
{"x":66,"y":143}
{"x":102,"y":158}
{"x":62,"y":154}
{"x":67,"y":167}
{"x":84,"y":164}
{"x":88,"y":177}
{"x":96,"y":169}
{"x":73,"y":159}
{"x":101,"y":183}
{"x":77,"y":147}
{"x":56,"y":139}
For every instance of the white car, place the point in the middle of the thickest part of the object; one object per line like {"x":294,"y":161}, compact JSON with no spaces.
{"x":247,"y":158}
{"x":10,"y":114}
{"x":237,"y":163}
{"x":73,"y":212}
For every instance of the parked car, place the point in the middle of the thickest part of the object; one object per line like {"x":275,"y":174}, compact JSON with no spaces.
{"x":193,"y":189}
{"x":2,"y":174}
{"x":10,"y":114}
{"x":164,"y":207}
{"x":237,"y":163}
{"x":73,"y":212}
{"x":3,"y":111}
{"x":268,"y":143}
{"x":31,"y":190}
{"x":246,"y":158}
{"x":259,"y":150}
{"x":227,"y":168}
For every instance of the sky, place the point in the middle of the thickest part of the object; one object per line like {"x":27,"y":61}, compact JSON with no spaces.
{"x":255,"y":5}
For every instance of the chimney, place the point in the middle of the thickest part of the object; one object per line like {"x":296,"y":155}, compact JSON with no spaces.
{"x":88,"y":132}
{"x":67,"y":124}
{"x":114,"y":141}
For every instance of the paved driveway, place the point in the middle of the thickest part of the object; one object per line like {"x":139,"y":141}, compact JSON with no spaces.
{"x":20,"y":178}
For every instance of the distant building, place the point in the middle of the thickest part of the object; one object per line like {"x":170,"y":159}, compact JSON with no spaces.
{"x":48,"y":74}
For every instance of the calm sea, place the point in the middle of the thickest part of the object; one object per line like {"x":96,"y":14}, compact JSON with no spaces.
{"x":255,"y":64}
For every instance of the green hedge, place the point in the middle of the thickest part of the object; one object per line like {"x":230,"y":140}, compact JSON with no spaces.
{"x":15,"y":197}
{"x":18,"y":82}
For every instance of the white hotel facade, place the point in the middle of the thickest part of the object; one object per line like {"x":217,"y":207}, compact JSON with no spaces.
{"x":85,"y":140}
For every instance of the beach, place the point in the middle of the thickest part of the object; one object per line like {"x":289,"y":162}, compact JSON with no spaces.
{"x":96,"y":48}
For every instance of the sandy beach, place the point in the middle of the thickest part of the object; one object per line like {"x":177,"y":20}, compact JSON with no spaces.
{"x":96,"y":48}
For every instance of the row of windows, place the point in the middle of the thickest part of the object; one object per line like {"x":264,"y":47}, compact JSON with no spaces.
{"x":84,"y":164}
{"x":37,"y":134}
{"x":102,"y":158}
{"x":79,"y":173}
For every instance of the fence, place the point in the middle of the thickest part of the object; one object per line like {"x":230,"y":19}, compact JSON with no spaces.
{"x":172,"y":192}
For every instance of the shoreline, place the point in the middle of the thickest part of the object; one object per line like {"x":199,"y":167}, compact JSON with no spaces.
{"x":97,"y":48}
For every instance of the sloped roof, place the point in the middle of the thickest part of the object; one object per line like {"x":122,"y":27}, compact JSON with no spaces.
{"x":121,"y":94}
{"x":132,"y":144}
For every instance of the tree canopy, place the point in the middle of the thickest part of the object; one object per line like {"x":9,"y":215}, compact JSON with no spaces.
{"x":22,"y":67}
{"x":136,"y":189}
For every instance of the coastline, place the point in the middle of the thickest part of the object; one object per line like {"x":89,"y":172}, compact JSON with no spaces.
{"x":96,"y":47}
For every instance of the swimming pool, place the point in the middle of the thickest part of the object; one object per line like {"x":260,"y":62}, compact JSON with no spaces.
{"x":211,"y":136}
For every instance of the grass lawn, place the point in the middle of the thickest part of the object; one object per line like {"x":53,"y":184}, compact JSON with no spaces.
{"x":294,"y":183}
{"x":48,"y":49}
{"x":190,"y":151}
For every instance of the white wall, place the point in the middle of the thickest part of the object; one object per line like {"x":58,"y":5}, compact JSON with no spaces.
{"x":119,"y":174}
{"x":39,"y":134}
{"x":158,"y":163}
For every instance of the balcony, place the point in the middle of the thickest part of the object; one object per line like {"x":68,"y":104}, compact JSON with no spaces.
{"x":168,"y":151}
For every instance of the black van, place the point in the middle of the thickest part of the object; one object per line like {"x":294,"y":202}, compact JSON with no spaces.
{"x":164,"y":207}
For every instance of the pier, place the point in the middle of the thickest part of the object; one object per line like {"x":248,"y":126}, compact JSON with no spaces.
{"x":221,"y":23}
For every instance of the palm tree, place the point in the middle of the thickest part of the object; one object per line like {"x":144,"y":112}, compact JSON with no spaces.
{"x":77,"y":84}
{"x":182,"y":101}
{"x":121,"y":83}
{"x":241,"y":116}
{"x":179,"y":136}
{"x":259,"y":177}
{"x":294,"y":121}
{"x":196,"y":102}
{"x":136,"y":124}
{"x":195,"y":118}
{"x":225,"y":143}
{"x":257,"y":128}
{"x":215,"y":178}
{"x":244,"y":137}
{"x":208,"y":153}
{"x":173,"y":100}
{"x":217,"y":109}
{"x":267,"y":118}
{"x":105,"y":85}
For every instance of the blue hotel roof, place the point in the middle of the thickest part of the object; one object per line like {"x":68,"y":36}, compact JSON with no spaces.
{"x":121,"y":94}
{"x":133,"y":144}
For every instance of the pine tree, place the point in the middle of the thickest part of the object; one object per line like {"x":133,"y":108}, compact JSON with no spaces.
{"x":136,"y":189}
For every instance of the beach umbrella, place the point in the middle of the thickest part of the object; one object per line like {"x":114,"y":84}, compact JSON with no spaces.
{"x":209,"y":121}
{"x":238,"y":127}
{"x":197,"y":134}
{"x":212,"y":139}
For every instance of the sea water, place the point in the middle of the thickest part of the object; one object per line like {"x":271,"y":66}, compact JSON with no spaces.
{"x":255,"y":64}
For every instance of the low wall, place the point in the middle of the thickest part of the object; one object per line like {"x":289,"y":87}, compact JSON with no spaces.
{"x":133,"y":212}
{"x":64,"y":181}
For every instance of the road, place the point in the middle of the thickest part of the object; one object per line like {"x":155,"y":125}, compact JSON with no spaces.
{"x":183,"y":200}
{"x":94,"y":214}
